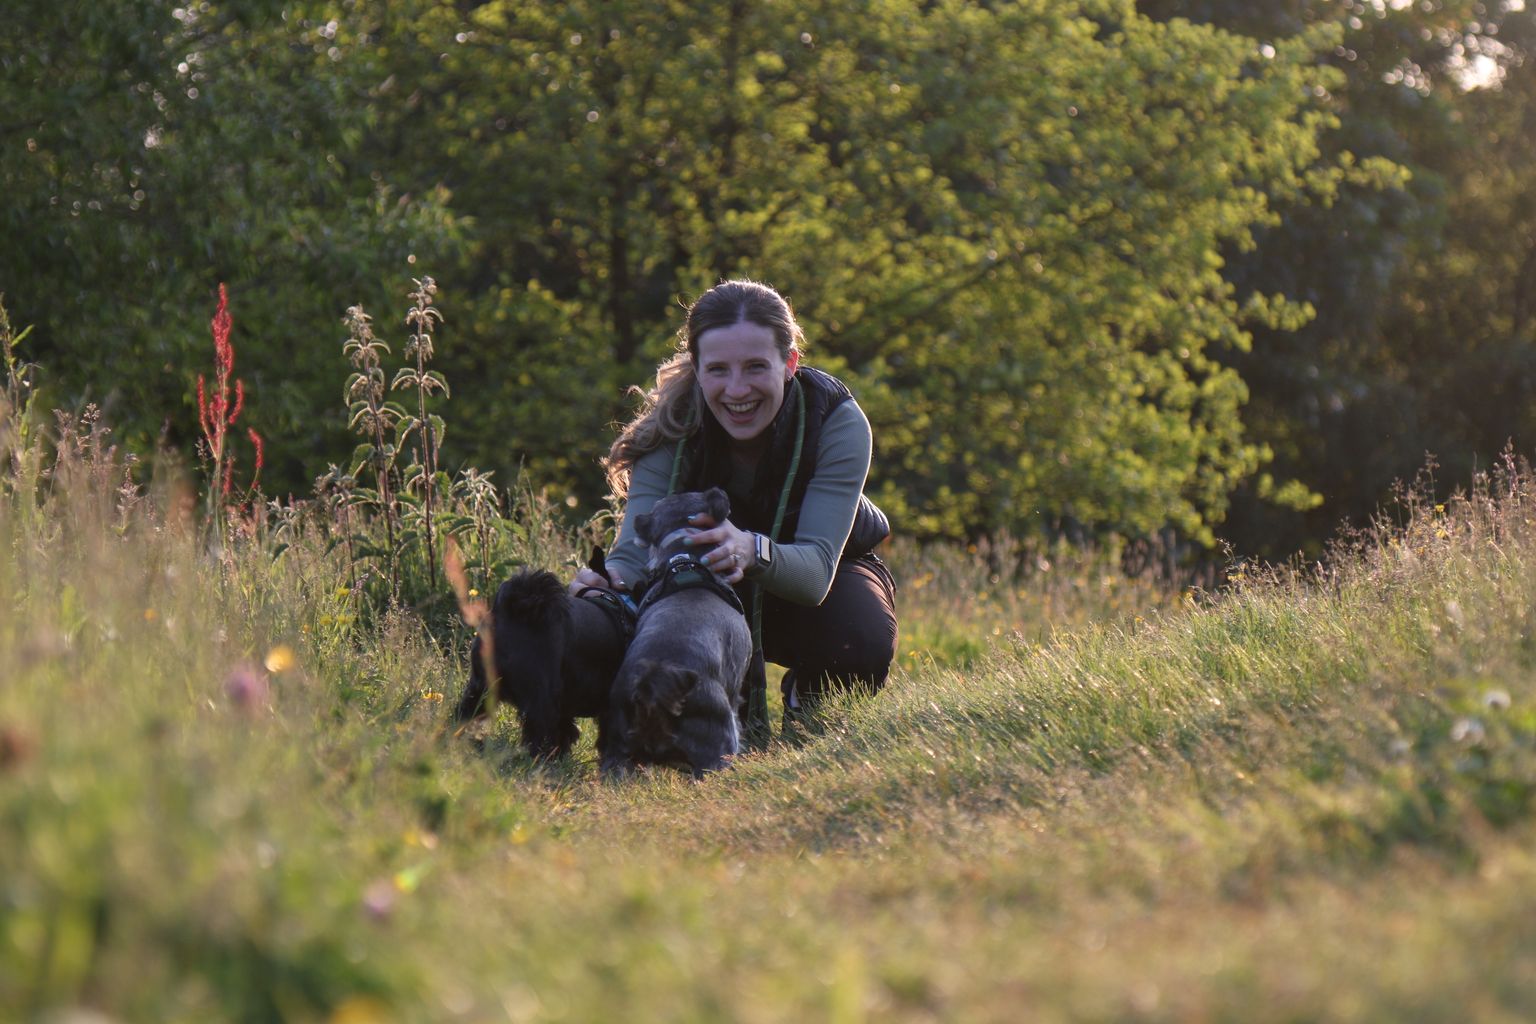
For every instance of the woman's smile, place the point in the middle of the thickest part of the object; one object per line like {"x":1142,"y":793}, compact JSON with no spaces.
{"x":742,"y":375}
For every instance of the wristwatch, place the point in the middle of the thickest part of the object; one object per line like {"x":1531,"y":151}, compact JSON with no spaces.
{"x":764,"y":551}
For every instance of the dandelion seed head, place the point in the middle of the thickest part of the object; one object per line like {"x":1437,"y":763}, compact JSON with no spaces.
{"x":1496,"y":700}
{"x":1468,"y":731}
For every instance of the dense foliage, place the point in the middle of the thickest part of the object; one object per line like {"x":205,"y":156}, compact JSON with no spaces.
{"x":1025,"y":231}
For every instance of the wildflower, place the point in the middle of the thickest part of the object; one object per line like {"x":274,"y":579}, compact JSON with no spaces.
{"x":425,"y":840}
{"x":432,"y":695}
{"x":150,"y":615}
{"x":1468,"y":731}
{"x":1496,"y":700}
{"x":1453,"y":612}
{"x":217,"y":409}
{"x":247,"y":689}
{"x":280,"y":659}
{"x":15,"y":747}
{"x":379,"y":898}
{"x":359,"y":1010}
{"x":409,"y":879}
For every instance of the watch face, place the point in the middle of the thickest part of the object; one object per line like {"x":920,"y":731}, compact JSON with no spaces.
{"x":764,"y":550}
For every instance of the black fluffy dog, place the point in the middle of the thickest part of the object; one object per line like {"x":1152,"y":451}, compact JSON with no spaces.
{"x":555,"y":659}
{"x":677,"y":697}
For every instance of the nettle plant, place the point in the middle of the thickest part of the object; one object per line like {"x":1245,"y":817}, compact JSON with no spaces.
{"x":422,"y":485}
{"x":373,"y":416}
{"x":419,"y":505}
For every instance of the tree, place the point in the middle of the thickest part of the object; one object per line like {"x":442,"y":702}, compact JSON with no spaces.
{"x":164,"y":150}
{"x":1005,"y":224}
{"x":1352,"y":400}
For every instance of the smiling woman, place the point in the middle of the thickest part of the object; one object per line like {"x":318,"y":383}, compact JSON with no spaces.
{"x":736,"y":409}
{"x":742,"y":377}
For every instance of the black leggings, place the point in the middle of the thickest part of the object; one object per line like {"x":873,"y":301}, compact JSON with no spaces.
{"x":849,"y":640}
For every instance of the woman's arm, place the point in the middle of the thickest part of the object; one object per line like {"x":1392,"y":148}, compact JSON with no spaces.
{"x":802,"y":571}
{"x":648,"y":479}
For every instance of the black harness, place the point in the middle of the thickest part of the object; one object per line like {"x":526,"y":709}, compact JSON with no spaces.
{"x":619,"y":612}
{"x":682,"y":572}
{"x":620,"y":609}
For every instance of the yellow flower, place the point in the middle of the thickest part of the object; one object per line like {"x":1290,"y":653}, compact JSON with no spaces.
{"x":360,"y":1010}
{"x":150,"y":615}
{"x":432,"y":695}
{"x":280,"y":659}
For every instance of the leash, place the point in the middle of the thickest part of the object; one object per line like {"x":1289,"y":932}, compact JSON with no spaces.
{"x":757,"y":692}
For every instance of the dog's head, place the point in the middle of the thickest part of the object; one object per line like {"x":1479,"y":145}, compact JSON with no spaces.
{"x":664,"y":527}
{"x":679,"y":718}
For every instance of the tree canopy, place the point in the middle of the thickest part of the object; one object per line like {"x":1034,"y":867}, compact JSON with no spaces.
{"x":1040,"y":240}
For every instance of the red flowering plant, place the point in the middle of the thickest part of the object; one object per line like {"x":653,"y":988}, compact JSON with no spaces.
{"x":219,"y":407}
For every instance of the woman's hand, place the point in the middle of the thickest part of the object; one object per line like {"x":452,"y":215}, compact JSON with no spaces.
{"x":588,"y":578}
{"x":732,"y":550}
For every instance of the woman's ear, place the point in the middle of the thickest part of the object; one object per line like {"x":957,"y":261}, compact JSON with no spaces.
{"x":791,"y":363}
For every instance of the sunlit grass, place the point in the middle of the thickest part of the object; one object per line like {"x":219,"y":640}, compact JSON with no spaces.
{"x":958,"y":602}
{"x":228,"y":792}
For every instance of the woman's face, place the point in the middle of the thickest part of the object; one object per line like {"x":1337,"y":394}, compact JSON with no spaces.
{"x":743,"y":377}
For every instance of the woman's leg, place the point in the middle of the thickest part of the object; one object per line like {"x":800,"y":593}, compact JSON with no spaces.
{"x":849,"y":640}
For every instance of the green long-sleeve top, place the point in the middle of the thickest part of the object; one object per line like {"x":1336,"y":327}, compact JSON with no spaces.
{"x":802,"y":570}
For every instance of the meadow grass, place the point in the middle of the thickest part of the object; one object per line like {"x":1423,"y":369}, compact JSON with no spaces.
{"x":228,"y":792}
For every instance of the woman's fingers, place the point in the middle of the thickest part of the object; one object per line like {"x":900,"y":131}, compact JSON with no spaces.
{"x":729,"y":549}
{"x":587,"y":578}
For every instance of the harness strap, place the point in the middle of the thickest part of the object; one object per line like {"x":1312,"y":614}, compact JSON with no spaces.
{"x":619,"y":611}
{"x":683,"y":572}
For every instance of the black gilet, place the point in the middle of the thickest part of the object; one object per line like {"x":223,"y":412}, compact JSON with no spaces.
{"x":707,"y":463}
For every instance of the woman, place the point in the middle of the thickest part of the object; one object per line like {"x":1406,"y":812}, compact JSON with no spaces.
{"x":736,"y":409}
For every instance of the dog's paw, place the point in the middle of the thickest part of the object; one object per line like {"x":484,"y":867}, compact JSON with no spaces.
{"x":476,"y":730}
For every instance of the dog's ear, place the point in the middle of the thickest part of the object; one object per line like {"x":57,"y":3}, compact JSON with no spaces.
{"x":643,"y":523}
{"x":717,"y":504}
{"x":680,"y":684}
{"x":664,"y":688}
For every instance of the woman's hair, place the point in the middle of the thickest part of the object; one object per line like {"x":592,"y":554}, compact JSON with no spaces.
{"x":670,"y":410}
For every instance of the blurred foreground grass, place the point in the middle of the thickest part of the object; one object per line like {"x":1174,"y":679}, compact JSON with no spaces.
{"x":227,"y":795}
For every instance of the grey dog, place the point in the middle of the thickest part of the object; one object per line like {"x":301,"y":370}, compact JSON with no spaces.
{"x":677,"y":696}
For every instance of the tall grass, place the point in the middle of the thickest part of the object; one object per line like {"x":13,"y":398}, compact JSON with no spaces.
{"x":227,"y":791}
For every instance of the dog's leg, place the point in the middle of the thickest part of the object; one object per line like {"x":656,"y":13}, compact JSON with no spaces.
{"x":566,"y":735}
{"x":545,"y":734}
{"x":472,"y":702}
{"x":614,"y":761}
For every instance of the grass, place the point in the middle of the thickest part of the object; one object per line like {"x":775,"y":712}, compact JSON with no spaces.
{"x":227,"y":793}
